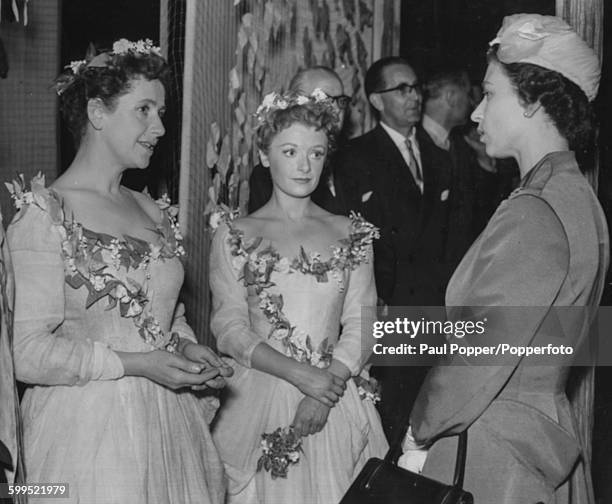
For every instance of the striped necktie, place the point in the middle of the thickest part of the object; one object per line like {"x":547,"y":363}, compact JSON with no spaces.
{"x":414,"y":166}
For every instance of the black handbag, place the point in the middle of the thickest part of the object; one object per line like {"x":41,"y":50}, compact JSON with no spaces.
{"x":383,"y":482}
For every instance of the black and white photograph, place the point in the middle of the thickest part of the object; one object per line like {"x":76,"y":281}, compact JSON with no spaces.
{"x":305,"y":252}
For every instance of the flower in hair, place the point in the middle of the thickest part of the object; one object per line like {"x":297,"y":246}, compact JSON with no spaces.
{"x":275,"y":101}
{"x":124,"y":46}
{"x":76,"y":66}
{"x":319,"y":95}
{"x":104,"y":59}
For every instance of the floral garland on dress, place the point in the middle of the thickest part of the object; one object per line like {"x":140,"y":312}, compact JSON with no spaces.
{"x":87,"y":256}
{"x":282,"y":447}
{"x":256,"y":268}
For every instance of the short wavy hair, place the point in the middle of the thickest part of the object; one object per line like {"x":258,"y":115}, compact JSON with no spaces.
{"x":108,"y":83}
{"x":562,"y":100}
{"x":319,"y":115}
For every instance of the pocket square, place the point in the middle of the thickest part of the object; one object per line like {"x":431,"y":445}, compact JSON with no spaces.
{"x":444,"y":195}
{"x":366,"y":196}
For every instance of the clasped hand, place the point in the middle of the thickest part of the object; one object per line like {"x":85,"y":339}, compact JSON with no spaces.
{"x":320,"y":384}
{"x":310,"y":417}
{"x":196,"y":366}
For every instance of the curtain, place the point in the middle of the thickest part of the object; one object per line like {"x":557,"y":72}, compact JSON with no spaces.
{"x":586,"y":17}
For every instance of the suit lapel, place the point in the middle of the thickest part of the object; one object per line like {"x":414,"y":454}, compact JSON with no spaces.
{"x":397,"y":170}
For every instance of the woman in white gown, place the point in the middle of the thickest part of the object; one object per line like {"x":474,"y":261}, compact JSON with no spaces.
{"x":288,"y":284}
{"x":98,"y":331}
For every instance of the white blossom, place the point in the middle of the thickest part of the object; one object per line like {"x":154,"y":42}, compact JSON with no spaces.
{"x":98,"y":282}
{"x":135,"y":309}
{"x":215,"y":219}
{"x":122,"y":46}
{"x":283,"y":265}
{"x":76,"y":66}
{"x":319,"y":95}
{"x":238,"y":262}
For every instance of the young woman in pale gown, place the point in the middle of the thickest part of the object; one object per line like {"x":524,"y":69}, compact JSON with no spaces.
{"x":99,"y":334}
{"x":288,"y":284}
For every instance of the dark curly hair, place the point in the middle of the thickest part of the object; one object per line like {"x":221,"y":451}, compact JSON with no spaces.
{"x":320,"y":115}
{"x":563,"y":101}
{"x":108,"y":83}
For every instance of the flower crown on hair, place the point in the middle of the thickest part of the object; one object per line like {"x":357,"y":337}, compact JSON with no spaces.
{"x":281,"y":101}
{"x":120,"y":48}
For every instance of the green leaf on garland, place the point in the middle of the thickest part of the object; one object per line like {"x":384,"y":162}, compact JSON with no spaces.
{"x":112,"y":302}
{"x":75,"y":281}
{"x":94,"y":295}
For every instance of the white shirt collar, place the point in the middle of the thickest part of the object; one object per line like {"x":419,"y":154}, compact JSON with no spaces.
{"x":400,"y":141}
{"x":397,"y":137}
{"x":438,"y":133}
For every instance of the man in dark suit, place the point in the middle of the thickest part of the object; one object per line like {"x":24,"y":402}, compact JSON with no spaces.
{"x":463,"y":168}
{"x":389,"y":178}
{"x":325,"y":195}
{"x":419,"y":195}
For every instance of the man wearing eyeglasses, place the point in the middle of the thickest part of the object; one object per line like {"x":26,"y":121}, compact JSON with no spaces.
{"x":326,"y":195}
{"x":397,"y":188}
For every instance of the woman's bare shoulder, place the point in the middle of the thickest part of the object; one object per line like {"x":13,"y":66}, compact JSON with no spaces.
{"x":339,"y":224}
{"x":251,"y":225}
{"x":146,"y":202}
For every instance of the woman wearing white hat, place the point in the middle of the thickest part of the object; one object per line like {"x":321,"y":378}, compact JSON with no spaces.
{"x":546,"y":250}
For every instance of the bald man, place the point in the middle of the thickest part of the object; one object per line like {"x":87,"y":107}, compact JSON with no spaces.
{"x":326,"y":195}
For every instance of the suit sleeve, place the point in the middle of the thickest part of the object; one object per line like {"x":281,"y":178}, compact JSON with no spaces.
{"x":359,"y":193}
{"x":42,"y":355}
{"x":350,"y":178}
{"x":260,"y":188}
{"x":230,"y":322}
{"x":522,"y":261}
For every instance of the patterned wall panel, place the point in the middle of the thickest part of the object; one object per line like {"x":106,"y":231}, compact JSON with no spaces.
{"x":28,"y":107}
{"x":209,"y":54}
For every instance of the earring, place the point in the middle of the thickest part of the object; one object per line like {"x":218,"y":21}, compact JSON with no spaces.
{"x":530,"y":113}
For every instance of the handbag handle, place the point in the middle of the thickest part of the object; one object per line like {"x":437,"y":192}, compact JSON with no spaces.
{"x":395,"y":451}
